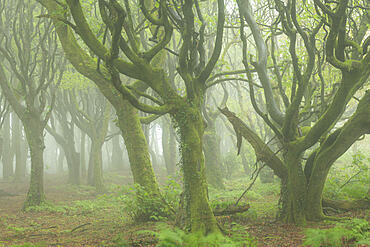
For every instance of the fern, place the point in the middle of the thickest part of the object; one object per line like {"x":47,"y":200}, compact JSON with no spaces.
{"x":356,"y":231}
{"x":174,"y":237}
{"x":170,"y":238}
{"x":327,"y":237}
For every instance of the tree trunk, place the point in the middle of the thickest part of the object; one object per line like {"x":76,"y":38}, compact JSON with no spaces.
{"x":199,"y":214}
{"x":6,"y":155}
{"x":245,"y":161}
{"x":72,"y":156}
{"x":24,"y":157}
{"x":169,"y":147}
{"x":73,"y":161}
{"x":314,"y":211}
{"x":213,"y":160}
{"x":60,"y":160}
{"x":20,"y":166}
{"x":137,"y":148}
{"x":82,"y":154}
{"x":117,"y":154}
{"x":96,"y":166}
{"x":335,"y":145}
{"x":293,"y":190}
{"x":35,"y":138}
{"x":67,"y":143}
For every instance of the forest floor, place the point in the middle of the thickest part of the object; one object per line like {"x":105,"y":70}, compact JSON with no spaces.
{"x":77,"y":216}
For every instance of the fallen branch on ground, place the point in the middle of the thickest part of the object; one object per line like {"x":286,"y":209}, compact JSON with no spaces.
{"x":231,"y":209}
{"x":347,"y":205}
{"x":78,"y":227}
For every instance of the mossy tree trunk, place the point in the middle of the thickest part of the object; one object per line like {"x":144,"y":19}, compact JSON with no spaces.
{"x":34,"y":132}
{"x":200,"y":217}
{"x":92,"y":116}
{"x":34,"y":81}
{"x":293,"y":190}
{"x":142,"y":67}
{"x":137,"y":148}
{"x":127,"y":116}
{"x":301,"y":190}
{"x":335,"y":145}
{"x":95,"y":169}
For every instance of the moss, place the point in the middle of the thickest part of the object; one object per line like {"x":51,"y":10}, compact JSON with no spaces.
{"x":199,"y":214}
{"x":293,"y":191}
{"x":34,"y":134}
{"x":137,"y":148}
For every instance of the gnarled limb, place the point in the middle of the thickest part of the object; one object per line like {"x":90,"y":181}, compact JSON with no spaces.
{"x":247,"y":12}
{"x":334,"y":146}
{"x":263,"y":152}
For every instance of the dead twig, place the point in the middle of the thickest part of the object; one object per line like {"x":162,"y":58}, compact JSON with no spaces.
{"x":80,"y":226}
{"x":251,"y":184}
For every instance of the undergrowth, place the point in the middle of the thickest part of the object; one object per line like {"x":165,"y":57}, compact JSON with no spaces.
{"x":141,"y":206}
{"x":350,"y":178}
{"x":168,"y":236}
{"x":352,"y":233}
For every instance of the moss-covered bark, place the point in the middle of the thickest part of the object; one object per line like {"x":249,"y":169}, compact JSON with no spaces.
{"x":200,"y":217}
{"x":293,"y":190}
{"x":141,"y":68}
{"x":301,"y":192}
{"x":313,"y":209}
{"x":137,"y":148}
{"x":335,"y":145}
{"x":128,"y":119}
{"x":35,"y":138}
{"x":96,"y":165}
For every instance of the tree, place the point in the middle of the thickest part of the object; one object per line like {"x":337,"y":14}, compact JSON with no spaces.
{"x":92,"y":116}
{"x":211,"y":146}
{"x":65,"y":139}
{"x":169,"y":146}
{"x":20,"y":155}
{"x":31,"y":55}
{"x":194,"y":70}
{"x":7,"y":157}
{"x":4,"y":110}
{"x":302,"y":185}
{"x":127,"y":118}
{"x":117,"y":152}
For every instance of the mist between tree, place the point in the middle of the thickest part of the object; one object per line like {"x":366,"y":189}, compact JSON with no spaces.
{"x":184,"y":123}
